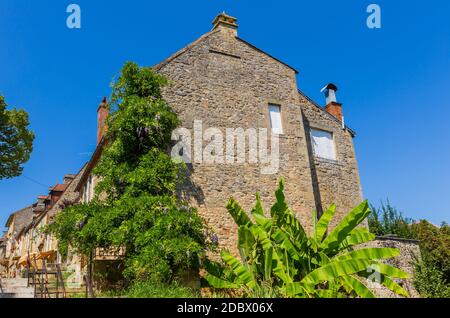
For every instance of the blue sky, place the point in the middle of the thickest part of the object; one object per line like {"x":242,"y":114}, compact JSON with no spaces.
{"x":394,"y":82}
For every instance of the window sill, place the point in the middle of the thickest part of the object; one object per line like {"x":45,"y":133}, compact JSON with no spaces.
{"x":329,"y":161}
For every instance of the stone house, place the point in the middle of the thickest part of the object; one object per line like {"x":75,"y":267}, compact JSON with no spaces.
{"x":226,"y":82}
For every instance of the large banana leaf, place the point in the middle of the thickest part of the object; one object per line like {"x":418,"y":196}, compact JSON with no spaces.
{"x":323,"y":223}
{"x":280,"y":207}
{"x":220,"y":283}
{"x":294,"y":228}
{"x":335,"y":269}
{"x":357,"y":236}
{"x":388,"y":270}
{"x":262,"y":221}
{"x":351,"y":283}
{"x":348,"y":223}
{"x":387,"y":282}
{"x":258,"y":209}
{"x":370,"y":253}
{"x":243,"y":274}
{"x":278,"y":268}
{"x":238,"y":214}
{"x":268,"y":263}
{"x":393,"y":286}
{"x":246,"y":242}
{"x":282,"y":239}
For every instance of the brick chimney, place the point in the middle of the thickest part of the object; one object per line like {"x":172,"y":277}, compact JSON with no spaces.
{"x":102,"y":113}
{"x":333,"y":107}
{"x":227,"y":23}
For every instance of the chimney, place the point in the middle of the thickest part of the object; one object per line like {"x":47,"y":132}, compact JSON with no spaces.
{"x":227,"y":23}
{"x":102,"y":113}
{"x":68,"y":178}
{"x":333,"y":107}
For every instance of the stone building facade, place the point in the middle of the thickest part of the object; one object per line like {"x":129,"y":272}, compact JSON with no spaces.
{"x":226,"y":83}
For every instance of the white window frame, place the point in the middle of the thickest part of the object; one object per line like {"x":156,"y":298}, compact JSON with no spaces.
{"x":277,"y":129}
{"x":327,"y":150}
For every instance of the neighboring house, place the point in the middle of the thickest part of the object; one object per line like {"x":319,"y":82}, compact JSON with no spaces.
{"x":25,"y":241}
{"x":3,"y":260}
{"x":15,"y":224}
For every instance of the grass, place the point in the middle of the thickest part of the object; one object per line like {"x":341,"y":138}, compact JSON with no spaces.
{"x":158,"y":290}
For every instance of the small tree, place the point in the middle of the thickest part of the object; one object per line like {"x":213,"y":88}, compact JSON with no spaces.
{"x":279,"y":259}
{"x":16,"y":141}
{"x":388,"y":220}
{"x":135,"y":205}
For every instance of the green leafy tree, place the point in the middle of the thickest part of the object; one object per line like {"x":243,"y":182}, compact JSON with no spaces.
{"x":16,"y":141}
{"x":429,"y":279}
{"x":434,"y":246}
{"x":279,"y":259}
{"x":432,"y":275}
{"x":135,"y":206}
{"x":387,"y":220}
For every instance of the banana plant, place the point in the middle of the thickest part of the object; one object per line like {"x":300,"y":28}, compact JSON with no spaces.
{"x":279,"y":258}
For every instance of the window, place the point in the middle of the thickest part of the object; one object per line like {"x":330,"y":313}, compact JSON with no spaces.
{"x":88,"y":190}
{"x":323,"y":144}
{"x":275,"y":119}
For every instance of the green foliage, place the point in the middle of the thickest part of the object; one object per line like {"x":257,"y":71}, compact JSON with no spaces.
{"x":387,"y":220}
{"x":279,"y":259}
{"x":135,"y":206}
{"x":434,"y":246}
{"x":16,"y":141}
{"x":156,"y":289}
{"x":432,"y":276}
{"x":429,"y":280}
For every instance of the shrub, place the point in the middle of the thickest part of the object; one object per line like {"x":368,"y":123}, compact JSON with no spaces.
{"x":429,"y":280}
{"x":388,"y":220}
{"x":156,"y":289}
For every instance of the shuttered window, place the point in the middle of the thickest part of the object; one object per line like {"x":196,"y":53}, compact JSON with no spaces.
{"x":275,"y":119}
{"x":323,"y":144}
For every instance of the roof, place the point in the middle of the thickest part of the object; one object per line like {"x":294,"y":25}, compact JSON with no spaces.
{"x":351,"y":131}
{"x":91,"y":164}
{"x":259,"y":50}
{"x":59,"y":188}
{"x":183,"y":50}
{"x":203,"y":37}
{"x":21,"y":219}
{"x":69,"y":193}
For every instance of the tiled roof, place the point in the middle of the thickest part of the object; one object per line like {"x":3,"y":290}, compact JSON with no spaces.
{"x":59,"y":188}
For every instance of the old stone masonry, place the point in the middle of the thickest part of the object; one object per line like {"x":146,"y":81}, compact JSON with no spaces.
{"x":226,"y":82}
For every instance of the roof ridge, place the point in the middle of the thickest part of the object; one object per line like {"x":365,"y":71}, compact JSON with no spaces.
{"x":264,"y":52}
{"x":160,"y":65}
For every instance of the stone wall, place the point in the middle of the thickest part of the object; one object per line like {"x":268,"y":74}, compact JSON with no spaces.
{"x":228,"y":83}
{"x":335,"y":181}
{"x":233,"y":89}
{"x":409,"y":252}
